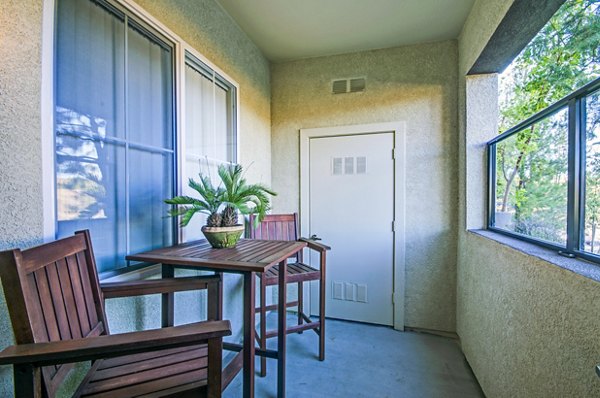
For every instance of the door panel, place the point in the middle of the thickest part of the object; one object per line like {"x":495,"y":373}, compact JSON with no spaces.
{"x":351,"y":183}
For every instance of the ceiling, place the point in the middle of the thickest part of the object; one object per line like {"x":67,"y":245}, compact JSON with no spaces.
{"x":293,"y":29}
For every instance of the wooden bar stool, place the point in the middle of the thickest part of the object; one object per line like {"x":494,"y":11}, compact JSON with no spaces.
{"x":285,"y":227}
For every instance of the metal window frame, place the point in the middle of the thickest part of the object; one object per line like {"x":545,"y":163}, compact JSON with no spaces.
{"x":576,"y":165}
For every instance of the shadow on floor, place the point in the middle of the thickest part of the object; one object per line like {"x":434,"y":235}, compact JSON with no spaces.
{"x":367,"y":361}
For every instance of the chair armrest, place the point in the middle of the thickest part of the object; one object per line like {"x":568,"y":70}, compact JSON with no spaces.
{"x":155,"y":286}
{"x":92,"y":348}
{"x":314,"y":245}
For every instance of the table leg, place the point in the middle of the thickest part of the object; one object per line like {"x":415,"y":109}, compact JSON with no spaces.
{"x":215,"y":299}
{"x":168,"y":299}
{"x":281,"y":329}
{"x":249,"y":333}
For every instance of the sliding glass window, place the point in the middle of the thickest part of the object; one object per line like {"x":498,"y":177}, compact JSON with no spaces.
{"x":531,"y":179}
{"x":544,"y":176}
{"x":210,"y":131}
{"x":114,"y":130}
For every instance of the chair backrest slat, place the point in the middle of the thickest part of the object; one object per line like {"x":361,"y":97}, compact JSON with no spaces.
{"x":53,"y":294}
{"x":86,"y":281}
{"x":50,"y":314}
{"x":40,"y":256}
{"x":276,"y":227}
{"x":78,"y":296}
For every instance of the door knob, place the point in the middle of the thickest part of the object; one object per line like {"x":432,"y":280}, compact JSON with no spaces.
{"x":314,"y":237}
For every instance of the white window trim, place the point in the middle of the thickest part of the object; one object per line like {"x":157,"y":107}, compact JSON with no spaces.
{"x":47,"y":122}
{"x":47,"y":103}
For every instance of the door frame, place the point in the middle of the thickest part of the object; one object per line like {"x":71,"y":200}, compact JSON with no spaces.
{"x":398,"y":129}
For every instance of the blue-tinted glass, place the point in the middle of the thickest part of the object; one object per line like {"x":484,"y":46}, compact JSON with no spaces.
{"x":149,"y":91}
{"x":90,"y":190}
{"x":150,"y":182}
{"x":104,"y":182}
{"x":90,"y":67}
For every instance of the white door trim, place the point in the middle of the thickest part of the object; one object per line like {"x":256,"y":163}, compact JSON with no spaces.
{"x":398,"y":129}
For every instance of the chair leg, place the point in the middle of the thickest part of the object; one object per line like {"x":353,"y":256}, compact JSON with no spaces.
{"x":300,"y":303}
{"x":263,"y":325}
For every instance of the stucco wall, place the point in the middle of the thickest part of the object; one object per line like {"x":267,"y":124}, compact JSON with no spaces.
{"x":527,"y":327}
{"x":203,"y":25}
{"x":416,"y":84}
{"x":20,"y":149}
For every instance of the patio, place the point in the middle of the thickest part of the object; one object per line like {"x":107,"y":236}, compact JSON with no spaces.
{"x":107,"y":107}
{"x":385,"y":364}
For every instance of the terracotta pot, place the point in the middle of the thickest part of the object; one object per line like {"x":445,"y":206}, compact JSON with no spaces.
{"x":223,"y":237}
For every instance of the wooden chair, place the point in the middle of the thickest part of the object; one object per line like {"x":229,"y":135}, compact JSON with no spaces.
{"x":285,"y":227}
{"x":56,"y":305}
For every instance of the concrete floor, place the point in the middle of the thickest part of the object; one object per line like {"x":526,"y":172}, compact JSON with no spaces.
{"x":368,"y":361}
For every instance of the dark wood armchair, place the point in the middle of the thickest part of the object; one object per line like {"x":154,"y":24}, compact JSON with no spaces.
{"x":285,"y":227}
{"x":56,"y":306}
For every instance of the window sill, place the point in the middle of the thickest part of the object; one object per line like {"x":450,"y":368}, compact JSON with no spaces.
{"x":576,"y":265}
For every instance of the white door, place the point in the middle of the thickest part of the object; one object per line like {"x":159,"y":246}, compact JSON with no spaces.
{"x":351,"y":207}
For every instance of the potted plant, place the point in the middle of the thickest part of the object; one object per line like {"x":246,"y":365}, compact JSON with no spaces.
{"x":222,"y":204}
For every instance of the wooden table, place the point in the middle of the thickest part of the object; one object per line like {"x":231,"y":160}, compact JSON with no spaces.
{"x":247,"y":258}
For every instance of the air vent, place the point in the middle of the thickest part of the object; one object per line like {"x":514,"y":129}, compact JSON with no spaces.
{"x":357,"y":85}
{"x":343,"y":86}
{"x":340,"y":86}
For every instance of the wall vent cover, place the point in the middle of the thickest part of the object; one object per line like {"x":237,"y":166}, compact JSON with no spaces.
{"x":343,"y":86}
{"x":339,"y":87}
{"x":358,"y":85}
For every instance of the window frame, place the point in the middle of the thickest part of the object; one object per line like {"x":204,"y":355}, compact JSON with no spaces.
{"x":576,"y":141}
{"x":48,"y":103}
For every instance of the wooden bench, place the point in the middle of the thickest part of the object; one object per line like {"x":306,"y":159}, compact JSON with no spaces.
{"x":56,"y":306}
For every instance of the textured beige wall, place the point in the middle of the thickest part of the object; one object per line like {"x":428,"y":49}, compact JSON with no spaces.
{"x":527,"y":327}
{"x":416,"y":84}
{"x":203,"y":25}
{"x":20,"y":148}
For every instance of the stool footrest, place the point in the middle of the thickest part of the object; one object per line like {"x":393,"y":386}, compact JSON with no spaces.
{"x":295,"y":329}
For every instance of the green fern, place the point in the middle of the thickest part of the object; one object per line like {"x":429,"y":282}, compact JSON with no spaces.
{"x":233,"y":194}
{"x":238,"y":194}
{"x":209,"y":203}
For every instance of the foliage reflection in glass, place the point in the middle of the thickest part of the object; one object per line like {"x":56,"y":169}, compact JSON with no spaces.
{"x":591,"y":241}
{"x":531,"y":180}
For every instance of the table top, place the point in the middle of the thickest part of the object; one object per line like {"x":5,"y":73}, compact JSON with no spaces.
{"x":249,"y":255}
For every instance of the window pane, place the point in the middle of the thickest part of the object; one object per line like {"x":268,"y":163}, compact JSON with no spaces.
{"x":90,"y":189}
{"x":150,"y":182}
{"x":531,"y":180}
{"x":149,"y":90}
{"x":591,"y":241}
{"x":114,"y":132}
{"x":208,"y":115}
{"x":89,"y":66}
{"x":209,"y":130}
